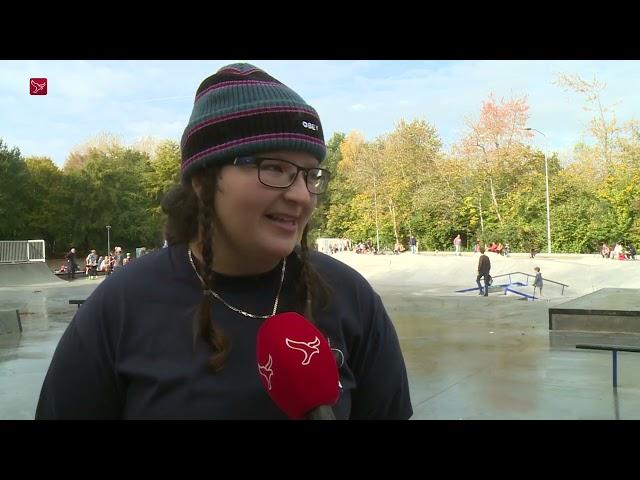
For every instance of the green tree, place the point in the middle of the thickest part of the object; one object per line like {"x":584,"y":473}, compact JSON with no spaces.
{"x":337,"y":193}
{"x":13,"y":179}
{"x":362,"y":168}
{"x":109,"y":190}
{"x":162,"y":174}
{"x":46,"y":203}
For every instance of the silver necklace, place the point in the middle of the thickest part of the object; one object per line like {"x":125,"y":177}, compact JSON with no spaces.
{"x":242,"y":312}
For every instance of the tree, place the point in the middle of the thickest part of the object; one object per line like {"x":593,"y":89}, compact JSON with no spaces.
{"x":337,"y":193}
{"x":149,"y":145}
{"x":495,"y":140}
{"x":629,"y":145}
{"x":163,"y":172}
{"x":412,"y":159}
{"x":104,"y":142}
{"x":361,"y":164}
{"x":13,"y":177}
{"x":603,"y":127}
{"x":109,"y":190}
{"x":47,"y":213}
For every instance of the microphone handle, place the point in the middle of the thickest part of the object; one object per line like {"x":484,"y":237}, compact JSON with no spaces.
{"x":323,"y":412}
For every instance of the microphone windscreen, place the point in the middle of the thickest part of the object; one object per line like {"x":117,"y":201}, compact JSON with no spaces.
{"x":296,"y":364}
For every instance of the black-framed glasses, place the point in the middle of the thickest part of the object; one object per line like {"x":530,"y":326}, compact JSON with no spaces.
{"x":279,"y":173}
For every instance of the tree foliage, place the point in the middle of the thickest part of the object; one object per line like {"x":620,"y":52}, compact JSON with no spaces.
{"x":489,"y":187}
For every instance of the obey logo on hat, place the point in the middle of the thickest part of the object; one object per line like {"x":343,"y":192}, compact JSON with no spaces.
{"x":38,"y":86}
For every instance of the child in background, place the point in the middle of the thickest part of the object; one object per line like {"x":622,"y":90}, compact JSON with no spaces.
{"x":537,"y":282}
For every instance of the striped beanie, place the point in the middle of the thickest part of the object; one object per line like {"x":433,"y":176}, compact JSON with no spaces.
{"x":242,"y":110}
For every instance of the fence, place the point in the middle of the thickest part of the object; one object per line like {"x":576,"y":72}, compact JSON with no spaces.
{"x":22,"y":251}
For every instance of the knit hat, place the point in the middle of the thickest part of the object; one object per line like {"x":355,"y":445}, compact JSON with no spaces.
{"x":242,"y":110}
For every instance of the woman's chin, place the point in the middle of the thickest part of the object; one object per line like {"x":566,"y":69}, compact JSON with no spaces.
{"x":278,"y":250}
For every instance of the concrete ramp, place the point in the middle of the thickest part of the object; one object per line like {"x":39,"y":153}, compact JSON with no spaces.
{"x":10,"y":322}
{"x":607,"y":316}
{"x":19,"y":274}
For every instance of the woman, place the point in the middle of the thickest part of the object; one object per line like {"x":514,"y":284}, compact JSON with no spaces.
{"x":174,"y":334}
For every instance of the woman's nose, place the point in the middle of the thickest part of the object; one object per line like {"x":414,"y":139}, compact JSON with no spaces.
{"x":298,"y":190}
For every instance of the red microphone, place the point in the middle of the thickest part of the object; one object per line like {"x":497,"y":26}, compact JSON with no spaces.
{"x":297,"y":367}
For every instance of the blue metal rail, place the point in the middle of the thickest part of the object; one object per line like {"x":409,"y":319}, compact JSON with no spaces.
{"x":506,"y":287}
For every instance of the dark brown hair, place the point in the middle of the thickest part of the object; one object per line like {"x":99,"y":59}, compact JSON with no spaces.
{"x":187,"y":217}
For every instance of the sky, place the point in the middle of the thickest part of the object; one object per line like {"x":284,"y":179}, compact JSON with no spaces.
{"x":138,"y":98}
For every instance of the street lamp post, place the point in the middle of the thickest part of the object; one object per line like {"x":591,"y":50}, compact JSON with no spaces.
{"x":546,"y":180}
{"x":108,"y":240}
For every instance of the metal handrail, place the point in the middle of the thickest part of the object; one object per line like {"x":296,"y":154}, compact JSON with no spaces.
{"x":614,"y":355}
{"x":529,"y":275}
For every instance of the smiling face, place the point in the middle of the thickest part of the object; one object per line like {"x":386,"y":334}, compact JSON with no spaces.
{"x":256,"y":225}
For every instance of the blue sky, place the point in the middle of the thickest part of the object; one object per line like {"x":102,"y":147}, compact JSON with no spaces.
{"x":137,"y":98}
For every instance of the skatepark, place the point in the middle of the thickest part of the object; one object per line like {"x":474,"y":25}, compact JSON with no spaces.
{"x":467,"y":356}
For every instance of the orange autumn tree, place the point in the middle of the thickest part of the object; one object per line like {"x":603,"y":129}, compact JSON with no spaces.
{"x":493,"y":146}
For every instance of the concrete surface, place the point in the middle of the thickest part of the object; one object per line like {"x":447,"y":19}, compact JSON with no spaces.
{"x":10,"y":321}
{"x":569,"y":339}
{"x":24,"y":358}
{"x":25,"y":274}
{"x":468,"y":357}
{"x":606,"y":300}
{"x":608,"y":316}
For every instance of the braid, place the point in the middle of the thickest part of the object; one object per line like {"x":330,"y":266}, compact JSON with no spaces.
{"x":313,"y":290}
{"x":206,"y":328}
{"x":307,"y":296}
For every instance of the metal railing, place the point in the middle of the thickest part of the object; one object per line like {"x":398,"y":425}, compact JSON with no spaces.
{"x":529,"y":275}
{"x":614,"y":355}
{"x":21,"y":251}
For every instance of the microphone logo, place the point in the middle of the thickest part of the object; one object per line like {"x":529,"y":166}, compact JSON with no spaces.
{"x":266,"y":371}
{"x":308,"y":348}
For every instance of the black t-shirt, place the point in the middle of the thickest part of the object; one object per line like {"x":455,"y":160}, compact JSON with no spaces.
{"x":130,"y":351}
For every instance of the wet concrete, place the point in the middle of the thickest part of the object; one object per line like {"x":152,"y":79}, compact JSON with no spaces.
{"x":489,"y":358}
{"x":24,"y":358}
{"x":468,"y":357}
{"x":472,"y":357}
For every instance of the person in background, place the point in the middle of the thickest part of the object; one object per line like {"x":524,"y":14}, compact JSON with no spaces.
{"x":118,"y":258}
{"x":456,"y":243}
{"x":92,"y":264}
{"x":413,"y":243}
{"x":537,"y":283}
{"x":484,"y":269}
{"x":71,"y":263}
